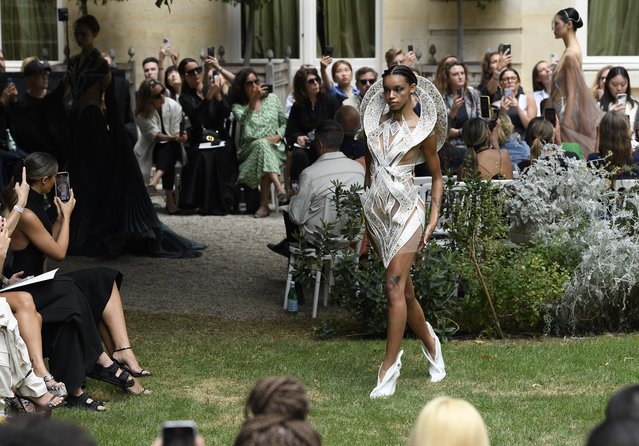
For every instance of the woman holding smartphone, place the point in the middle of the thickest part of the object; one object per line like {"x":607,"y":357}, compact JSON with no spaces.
{"x":261,"y":150}
{"x":570,"y":96}
{"x":519,"y":107}
{"x":617,"y":94}
{"x":395,"y":215}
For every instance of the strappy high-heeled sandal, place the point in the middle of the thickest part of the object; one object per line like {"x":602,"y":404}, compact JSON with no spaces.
{"x":141,"y":374}
{"x":54,"y":387}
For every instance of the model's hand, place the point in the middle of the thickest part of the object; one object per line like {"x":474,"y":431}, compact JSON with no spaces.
{"x":22,"y":189}
{"x":427,"y":233}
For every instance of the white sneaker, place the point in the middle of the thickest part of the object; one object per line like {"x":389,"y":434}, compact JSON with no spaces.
{"x":436,"y":366}
{"x":387,"y":386}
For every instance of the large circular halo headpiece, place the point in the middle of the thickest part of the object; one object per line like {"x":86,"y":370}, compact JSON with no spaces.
{"x":433,"y":115}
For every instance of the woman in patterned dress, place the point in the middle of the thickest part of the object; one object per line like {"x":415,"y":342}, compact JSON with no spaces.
{"x":261,"y":149}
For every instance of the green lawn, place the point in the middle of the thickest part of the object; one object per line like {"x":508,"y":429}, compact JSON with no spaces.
{"x":530,"y":392}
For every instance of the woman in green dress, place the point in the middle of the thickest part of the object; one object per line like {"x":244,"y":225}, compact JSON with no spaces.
{"x":261,"y":149}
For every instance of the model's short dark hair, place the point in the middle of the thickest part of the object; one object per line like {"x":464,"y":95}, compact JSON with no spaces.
{"x":151,"y":59}
{"x":329,"y":133}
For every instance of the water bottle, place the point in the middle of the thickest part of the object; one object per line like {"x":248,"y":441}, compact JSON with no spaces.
{"x":291,"y":306}
{"x":241,"y":206}
{"x":11,"y":144}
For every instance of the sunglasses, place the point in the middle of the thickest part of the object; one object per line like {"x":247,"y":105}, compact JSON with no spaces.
{"x":158,"y":96}
{"x":366,"y":81}
{"x":314,"y":80}
{"x":255,"y":82}
{"x":196,"y":70}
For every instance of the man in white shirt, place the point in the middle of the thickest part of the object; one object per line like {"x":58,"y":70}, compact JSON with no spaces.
{"x":306,"y":208}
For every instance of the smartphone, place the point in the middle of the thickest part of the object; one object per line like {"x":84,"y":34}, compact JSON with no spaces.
{"x":63,"y":186}
{"x":210,"y":51}
{"x":269,"y":88}
{"x":486,"y":110}
{"x":622,"y":98}
{"x":505,"y":47}
{"x":63,"y":14}
{"x":508,"y":92}
{"x":165,"y":42}
{"x":410,"y":48}
{"x":10,"y":81}
{"x":550,"y":115}
{"x":460,"y":92}
{"x":328,"y":51}
{"x":179,"y":433}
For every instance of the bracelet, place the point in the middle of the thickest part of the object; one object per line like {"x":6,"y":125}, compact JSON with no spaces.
{"x":20,"y":209}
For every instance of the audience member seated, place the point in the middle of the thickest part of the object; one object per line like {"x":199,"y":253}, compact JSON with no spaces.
{"x":151,"y":68}
{"x":519,"y":107}
{"x":312,"y":105}
{"x":620,"y":432}
{"x":618,"y":82}
{"x":511,"y":141}
{"x":44,"y":432}
{"x":349,"y":118}
{"x":597,"y":87}
{"x":396,"y":56}
{"x":290,"y":99}
{"x":614,"y":150}
{"x":446,"y":421}
{"x":160,"y":143}
{"x":483,"y":154}
{"x":462,"y":104}
{"x":229,"y":76}
{"x":339,"y":84}
{"x":306,"y":208}
{"x":544,"y":140}
{"x":208,"y":179}
{"x":365,"y":77}
{"x":275,"y":414}
{"x":261,"y":150}
{"x":624,"y":404}
{"x":441,"y":74}
{"x":542,"y":83}
{"x":173,"y":82}
{"x":493,"y":64}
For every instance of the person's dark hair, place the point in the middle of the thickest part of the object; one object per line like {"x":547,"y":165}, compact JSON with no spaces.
{"x":363,"y":70}
{"x":237,"y":94}
{"x":267,"y":430}
{"x":607,"y":99}
{"x":538,"y":133}
{"x":348,"y":117}
{"x":614,"y":139}
{"x":571,"y":15}
{"x":476,"y":136}
{"x":624,"y":432}
{"x":182,"y":70}
{"x":299,"y":84}
{"x":151,"y":59}
{"x":401,"y":70}
{"x":330,"y":133}
{"x":485,"y":66}
{"x":441,"y":74}
{"x":336,"y":66}
{"x":39,"y":165}
{"x":167,"y":73}
{"x":537,"y":86}
{"x":503,"y":73}
{"x":447,"y":73}
{"x":89,"y":21}
{"x":144,"y":96}
{"x":30,"y":431}
{"x":624,"y":404}
{"x":278,"y":395}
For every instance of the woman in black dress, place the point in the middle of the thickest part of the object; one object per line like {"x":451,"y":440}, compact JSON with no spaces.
{"x":208,"y":179}
{"x":114,"y":211}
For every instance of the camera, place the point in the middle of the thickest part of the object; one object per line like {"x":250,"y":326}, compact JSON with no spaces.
{"x":410,"y":48}
{"x":269,"y":88}
{"x":328,"y":51}
{"x":179,"y":433}
{"x":505,"y":47}
{"x":210,"y":51}
{"x":550,"y":115}
{"x":63,"y":187}
{"x":63,"y":14}
{"x":486,"y":111}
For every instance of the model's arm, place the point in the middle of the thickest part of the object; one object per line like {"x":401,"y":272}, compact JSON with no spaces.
{"x":429,"y":148}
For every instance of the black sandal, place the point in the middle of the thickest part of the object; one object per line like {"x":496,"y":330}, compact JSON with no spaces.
{"x":81,"y":402}
{"x":108,"y":375}
{"x":141,"y":374}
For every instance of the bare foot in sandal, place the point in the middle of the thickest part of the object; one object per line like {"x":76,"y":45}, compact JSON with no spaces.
{"x":125,"y":358}
{"x":47,"y":401}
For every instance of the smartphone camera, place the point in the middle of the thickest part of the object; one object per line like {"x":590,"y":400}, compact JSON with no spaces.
{"x":210,"y":51}
{"x":328,"y":51}
{"x":63,"y":187}
{"x":505,"y":47}
{"x":508,"y":92}
{"x":410,"y":48}
{"x":486,"y":110}
{"x":622,"y":98}
{"x":179,"y":433}
{"x":63,"y":14}
{"x":269,"y":88}
{"x":550,"y":115}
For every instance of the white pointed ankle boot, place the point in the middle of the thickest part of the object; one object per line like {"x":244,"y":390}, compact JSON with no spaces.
{"x":436,"y":366}
{"x":386,"y":387}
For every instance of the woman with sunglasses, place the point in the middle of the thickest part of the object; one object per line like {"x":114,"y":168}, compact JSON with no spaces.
{"x":312,"y":105}
{"x":114,"y":212}
{"x":159,"y":119}
{"x":209,"y":175}
{"x":572,"y":99}
{"x":261,"y":150}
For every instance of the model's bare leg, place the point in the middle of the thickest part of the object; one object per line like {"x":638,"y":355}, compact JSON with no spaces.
{"x":397,"y":274}
{"x":416,"y":319}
